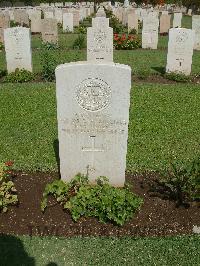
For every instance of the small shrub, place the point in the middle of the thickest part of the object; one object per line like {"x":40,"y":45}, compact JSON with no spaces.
{"x":81,"y":30}
{"x":133,"y":31}
{"x":7,"y":189}
{"x":50,"y":46}
{"x":178,"y":77}
{"x":101,"y":200}
{"x":3,"y":73}
{"x":79,"y":42}
{"x":182,"y":182}
{"x":1,"y":46}
{"x":48,"y":66}
{"x":126,"y":42}
{"x":19,"y":76}
{"x":143,"y":74}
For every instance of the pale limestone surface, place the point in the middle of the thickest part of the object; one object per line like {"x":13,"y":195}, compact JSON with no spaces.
{"x":68,"y":22}
{"x":180,"y":50}
{"x":36,"y":21}
{"x":150,"y":32}
{"x":4,"y":24}
{"x":196,"y":28}
{"x":132,"y":22}
{"x":21,"y":17}
{"x":48,"y":14}
{"x":177,"y":20}
{"x":100,"y":41}
{"x":76,"y":17}
{"x":49,"y":30}
{"x":18,"y":48}
{"x":58,"y":15}
{"x":165,"y":21}
{"x":93,"y":115}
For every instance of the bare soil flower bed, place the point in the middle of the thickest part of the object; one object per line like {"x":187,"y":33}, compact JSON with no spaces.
{"x":157,"y":216}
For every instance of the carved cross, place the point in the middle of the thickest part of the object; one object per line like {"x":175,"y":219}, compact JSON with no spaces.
{"x":93,"y":149}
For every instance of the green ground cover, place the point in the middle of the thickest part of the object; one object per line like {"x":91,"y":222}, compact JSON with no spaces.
{"x":164,"y":124}
{"x":184,"y":251}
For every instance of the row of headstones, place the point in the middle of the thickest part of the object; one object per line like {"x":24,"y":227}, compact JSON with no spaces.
{"x":68,"y":17}
{"x":100,"y":46}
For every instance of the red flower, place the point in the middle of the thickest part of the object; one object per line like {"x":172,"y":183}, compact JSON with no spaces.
{"x":123,"y":37}
{"x":116,"y":37}
{"x":9,"y":163}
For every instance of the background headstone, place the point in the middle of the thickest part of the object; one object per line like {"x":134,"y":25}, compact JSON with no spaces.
{"x":18,"y":48}
{"x":68,"y":22}
{"x":150,"y":32}
{"x":100,"y":40}
{"x":196,"y":28}
{"x":165,"y":21}
{"x":180,"y":50}
{"x":177,"y":20}
{"x":49,"y":30}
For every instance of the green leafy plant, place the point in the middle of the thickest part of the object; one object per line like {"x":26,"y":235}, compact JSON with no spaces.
{"x":133,"y":31}
{"x":49,"y":64}
{"x":99,"y":200}
{"x":50,"y":46}
{"x":19,"y":76}
{"x":79,"y":42}
{"x":3,"y":73}
{"x":178,"y":77}
{"x":126,"y":42}
{"x":182,"y":181}
{"x":1,"y":46}
{"x":143,"y":73}
{"x":7,"y":189}
{"x":81,"y":29}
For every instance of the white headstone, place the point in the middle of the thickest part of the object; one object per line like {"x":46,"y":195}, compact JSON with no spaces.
{"x":132,"y":22}
{"x":150,"y":32}
{"x":36,"y":21}
{"x":93,"y":115}
{"x":48,"y":14}
{"x":196,"y":28}
{"x":165,"y":21}
{"x":49,"y":30}
{"x":100,"y":40}
{"x":190,"y":12}
{"x":68,"y":22}
{"x":4,"y":24}
{"x":126,"y":3}
{"x":59,"y":15}
{"x":18,"y":48}
{"x":180,"y":50}
{"x":177,"y":20}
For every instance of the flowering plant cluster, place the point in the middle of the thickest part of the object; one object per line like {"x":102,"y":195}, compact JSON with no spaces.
{"x":126,"y":42}
{"x":7,"y":189}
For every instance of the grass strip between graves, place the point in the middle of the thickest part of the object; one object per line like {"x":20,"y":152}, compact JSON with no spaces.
{"x":182,"y":251}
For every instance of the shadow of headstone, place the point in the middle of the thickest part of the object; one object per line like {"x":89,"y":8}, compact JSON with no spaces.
{"x":56,"y":151}
{"x":12,"y":252}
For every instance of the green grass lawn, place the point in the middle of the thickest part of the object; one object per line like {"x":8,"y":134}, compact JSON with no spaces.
{"x":184,"y":251}
{"x":164,"y":124}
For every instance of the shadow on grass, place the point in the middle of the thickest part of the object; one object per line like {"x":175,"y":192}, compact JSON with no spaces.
{"x":161,"y":70}
{"x":56,"y":151}
{"x":12,"y":252}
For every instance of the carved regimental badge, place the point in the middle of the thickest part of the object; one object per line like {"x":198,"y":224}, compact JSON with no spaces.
{"x":93,"y":94}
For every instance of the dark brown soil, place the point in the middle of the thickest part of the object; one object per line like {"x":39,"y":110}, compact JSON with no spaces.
{"x":157,"y":217}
